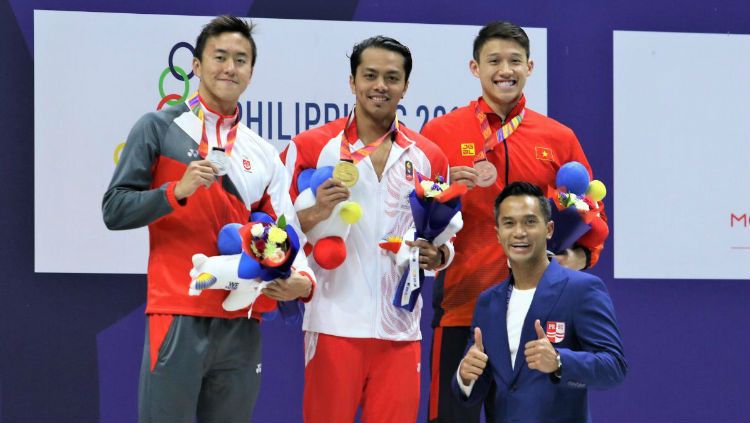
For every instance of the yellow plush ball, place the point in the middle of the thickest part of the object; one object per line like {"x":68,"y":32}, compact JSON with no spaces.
{"x":597,"y":191}
{"x":351,"y":212}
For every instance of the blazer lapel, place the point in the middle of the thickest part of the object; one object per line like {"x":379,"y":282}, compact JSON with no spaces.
{"x":547,"y":293}
{"x":496,"y":345}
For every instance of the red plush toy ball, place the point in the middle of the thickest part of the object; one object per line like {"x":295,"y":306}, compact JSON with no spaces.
{"x":330,"y":252}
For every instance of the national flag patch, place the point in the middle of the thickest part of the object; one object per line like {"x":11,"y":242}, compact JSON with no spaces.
{"x":544,"y":153}
{"x":409,"y":171}
{"x":467,"y":149}
{"x":555,"y":332}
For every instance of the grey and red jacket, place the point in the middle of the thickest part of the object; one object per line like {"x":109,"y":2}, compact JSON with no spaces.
{"x":141,"y":193}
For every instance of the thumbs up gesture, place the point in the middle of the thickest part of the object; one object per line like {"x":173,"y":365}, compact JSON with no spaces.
{"x":540,"y":354}
{"x":473,"y":364}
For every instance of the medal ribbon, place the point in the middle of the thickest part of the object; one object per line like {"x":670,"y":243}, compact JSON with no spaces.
{"x":357,"y":156}
{"x":503,"y":134}
{"x":412,"y":281}
{"x":194,"y":103}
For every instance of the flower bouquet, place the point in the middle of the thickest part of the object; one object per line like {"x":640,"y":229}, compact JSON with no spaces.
{"x":436,"y":210}
{"x":250,"y":257}
{"x":268,"y":249}
{"x":576,"y":209}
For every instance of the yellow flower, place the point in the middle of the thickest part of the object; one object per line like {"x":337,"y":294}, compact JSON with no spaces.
{"x":271,"y":249}
{"x":276,"y":235}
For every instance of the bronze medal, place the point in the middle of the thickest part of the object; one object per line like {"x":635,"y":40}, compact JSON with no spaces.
{"x":487,"y":173}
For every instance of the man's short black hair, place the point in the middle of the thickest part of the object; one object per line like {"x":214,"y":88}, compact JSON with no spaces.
{"x":380,"y":41}
{"x":524,"y":188}
{"x":220,"y":25}
{"x":504,"y":31}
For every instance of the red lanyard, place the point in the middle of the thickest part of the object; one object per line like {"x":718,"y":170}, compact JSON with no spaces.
{"x":358,"y":155}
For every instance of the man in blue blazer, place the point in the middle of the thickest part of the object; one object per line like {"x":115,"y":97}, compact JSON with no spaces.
{"x":541,"y":372}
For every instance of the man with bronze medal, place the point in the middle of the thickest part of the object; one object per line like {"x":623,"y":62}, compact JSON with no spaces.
{"x":360,"y":349}
{"x":490,"y":142}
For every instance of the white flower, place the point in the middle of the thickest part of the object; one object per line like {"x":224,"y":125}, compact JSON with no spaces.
{"x":256,"y":230}
{"x":581,"y":205}
{"x":432,"y":188}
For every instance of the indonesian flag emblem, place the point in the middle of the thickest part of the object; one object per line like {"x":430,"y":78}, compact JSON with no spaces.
{"x":555,"y":332}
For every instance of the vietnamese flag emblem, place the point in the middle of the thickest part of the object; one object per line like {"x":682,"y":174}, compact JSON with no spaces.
{"x":544,"y":153}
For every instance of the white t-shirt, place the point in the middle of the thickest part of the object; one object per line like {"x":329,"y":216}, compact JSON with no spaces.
{"x":520,"y":301}
{"x":518,"y":307}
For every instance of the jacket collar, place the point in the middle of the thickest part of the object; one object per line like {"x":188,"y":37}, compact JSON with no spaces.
{"x":515,"y":111}
{"x":547,"y":293}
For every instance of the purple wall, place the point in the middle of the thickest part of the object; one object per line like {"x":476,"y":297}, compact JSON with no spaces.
{"x":70,"y":344}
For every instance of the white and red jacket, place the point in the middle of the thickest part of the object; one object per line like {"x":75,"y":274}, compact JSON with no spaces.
{"x":355,"y":299}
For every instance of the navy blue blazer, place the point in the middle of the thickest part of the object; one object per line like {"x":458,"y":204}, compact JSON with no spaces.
{"x":590,"y":351}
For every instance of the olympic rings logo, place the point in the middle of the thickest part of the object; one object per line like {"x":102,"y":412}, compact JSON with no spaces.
{"x":168,"y":99}
{"x":118,"y":151}
{"x":179,"y":74}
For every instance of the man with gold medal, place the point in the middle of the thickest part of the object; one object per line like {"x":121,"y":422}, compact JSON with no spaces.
{"x":360,"y":349}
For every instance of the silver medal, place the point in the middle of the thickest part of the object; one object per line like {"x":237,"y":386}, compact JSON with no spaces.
{"x":218,"y":158}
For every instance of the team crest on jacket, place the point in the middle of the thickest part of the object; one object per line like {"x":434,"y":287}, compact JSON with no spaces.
{"x":467,"y":149}
{"x":409,"y":170}
{"x":246,"y":164}
{"x":555,"y":332}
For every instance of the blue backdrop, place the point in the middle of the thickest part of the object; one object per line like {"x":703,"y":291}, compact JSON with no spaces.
{"x":70,"y":344}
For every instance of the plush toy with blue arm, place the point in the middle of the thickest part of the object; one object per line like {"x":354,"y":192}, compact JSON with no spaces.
{"x":241,"y":268}
{"x":328,"y":236}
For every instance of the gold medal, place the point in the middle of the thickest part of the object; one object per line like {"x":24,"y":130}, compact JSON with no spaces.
{"x":347,"y":173}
